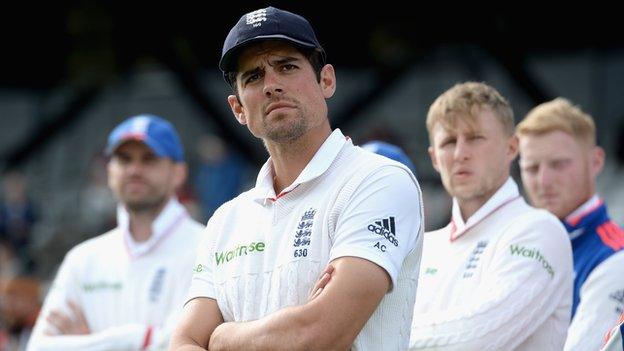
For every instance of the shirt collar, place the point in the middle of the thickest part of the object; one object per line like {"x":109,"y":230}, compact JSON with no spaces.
{"x":577,"y":215}
{"x":505,"y":194}
{"x":320,"y":162}
{"x":165,"y":223}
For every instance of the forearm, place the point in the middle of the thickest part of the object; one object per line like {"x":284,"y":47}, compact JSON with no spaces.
{"x":287,"y":329}
{"x":330,"y":321}
{"x":188,"y":346}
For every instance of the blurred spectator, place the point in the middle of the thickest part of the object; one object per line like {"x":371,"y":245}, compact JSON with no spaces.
{"x":17,"y":218}
{"x":20,"y":301}
{"x":124,"y":289}
{"x":560,"y":162}
{"x":220,"y":175}
{"x":9,"y":265}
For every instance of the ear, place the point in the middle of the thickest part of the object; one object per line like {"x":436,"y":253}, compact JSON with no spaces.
{"x":109,"y":170}
{"x":237,"y":109}
{"x":597,"y":160}
{"x":180,"y":172}
{"x":434,"y":159}
{"x":328,"y":81}
{"x":512,"y":148}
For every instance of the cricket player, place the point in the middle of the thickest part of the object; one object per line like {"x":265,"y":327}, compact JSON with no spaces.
{"x":321,"y":207}
{"x":499,"y":275}
{"x":559,"y":164}
{"x":124,"y":289}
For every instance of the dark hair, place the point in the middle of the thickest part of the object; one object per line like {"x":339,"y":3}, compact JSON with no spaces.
{"x":315,"y":57}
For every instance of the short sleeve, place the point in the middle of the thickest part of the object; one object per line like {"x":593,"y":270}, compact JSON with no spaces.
{"x":382,"y":221}
{"x":202,"y":282}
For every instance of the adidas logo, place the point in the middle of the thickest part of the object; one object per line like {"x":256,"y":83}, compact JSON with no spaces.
{"x":387,"y":223}
{"x":385,"y":227}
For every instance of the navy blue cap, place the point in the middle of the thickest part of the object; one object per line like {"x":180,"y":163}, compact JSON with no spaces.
{"x":390,"y":151}
{"x":155,"y":132}
{"x":267,"y":24}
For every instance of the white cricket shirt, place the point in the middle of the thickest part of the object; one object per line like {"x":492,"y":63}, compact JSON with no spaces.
{"x":130,"y":293}
{"x":502,"y":280}
{"x":263,"y":252}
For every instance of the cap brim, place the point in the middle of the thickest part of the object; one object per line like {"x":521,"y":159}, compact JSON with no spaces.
{"x":110,"y":150}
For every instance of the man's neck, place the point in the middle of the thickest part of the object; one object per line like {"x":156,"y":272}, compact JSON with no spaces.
{"x":469,"y":207}
{"x":140,"y":223}
{"x":289,"y":159}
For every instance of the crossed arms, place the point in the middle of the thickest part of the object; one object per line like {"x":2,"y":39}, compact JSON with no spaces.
{"x":330,"y":320}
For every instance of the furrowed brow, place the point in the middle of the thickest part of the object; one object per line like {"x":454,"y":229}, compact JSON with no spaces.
{"x":250,"y":72}
{"x":283,"y":60}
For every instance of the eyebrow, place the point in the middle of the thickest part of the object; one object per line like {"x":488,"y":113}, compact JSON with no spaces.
{"x":250,"y":72}
{"x":283,"y":60}
{"x":272,"y":63}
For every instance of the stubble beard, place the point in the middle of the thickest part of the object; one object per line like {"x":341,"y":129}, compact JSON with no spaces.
{"x":285,"y":131}
{"x":153,"y":202}
{"x":468,"y":192}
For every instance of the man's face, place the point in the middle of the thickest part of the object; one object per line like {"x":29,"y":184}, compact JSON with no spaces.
{"x":280,"y":96}
{"x":141,"y":180}
{"x":558,"y":172}
{"x":473,"y":159}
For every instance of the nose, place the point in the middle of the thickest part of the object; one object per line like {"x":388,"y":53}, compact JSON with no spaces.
{"x":544,"y":176}
{"x":134,"y":167}
{"x":462,"y":150}
{"x":272,"y":84}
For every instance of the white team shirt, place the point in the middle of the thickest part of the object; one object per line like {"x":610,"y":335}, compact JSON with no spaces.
{"x":502,"y":280}
{"x":601,"y":300}
{"x":264,"y":252}
{"x":130,"y":293}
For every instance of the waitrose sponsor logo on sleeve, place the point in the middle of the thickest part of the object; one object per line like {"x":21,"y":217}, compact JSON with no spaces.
{"x":517,"y":250}
{"x":240,"y":250}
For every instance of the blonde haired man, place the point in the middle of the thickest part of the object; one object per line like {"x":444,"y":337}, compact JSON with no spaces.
{"x":559,"y":164}
{"x":499,"y":276}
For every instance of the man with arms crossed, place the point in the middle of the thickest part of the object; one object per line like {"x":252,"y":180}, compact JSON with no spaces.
{"x":559,"y":163}
{"x":124,"y":289}
{"x":499,"y":276}
{"x":317,"y":200}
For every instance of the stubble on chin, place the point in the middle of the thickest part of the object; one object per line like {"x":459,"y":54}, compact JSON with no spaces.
{"x":145,"y":205}
{"x":285,"y":131}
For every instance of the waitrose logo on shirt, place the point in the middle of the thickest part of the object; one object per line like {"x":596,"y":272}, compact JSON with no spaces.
{"x":517,"y":250}
{"x":240,"y":250}
{"x":102,"y":285}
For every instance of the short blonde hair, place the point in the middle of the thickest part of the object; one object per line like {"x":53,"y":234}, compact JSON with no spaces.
{"x":465,"y":100}
{"x":559,"y":114}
